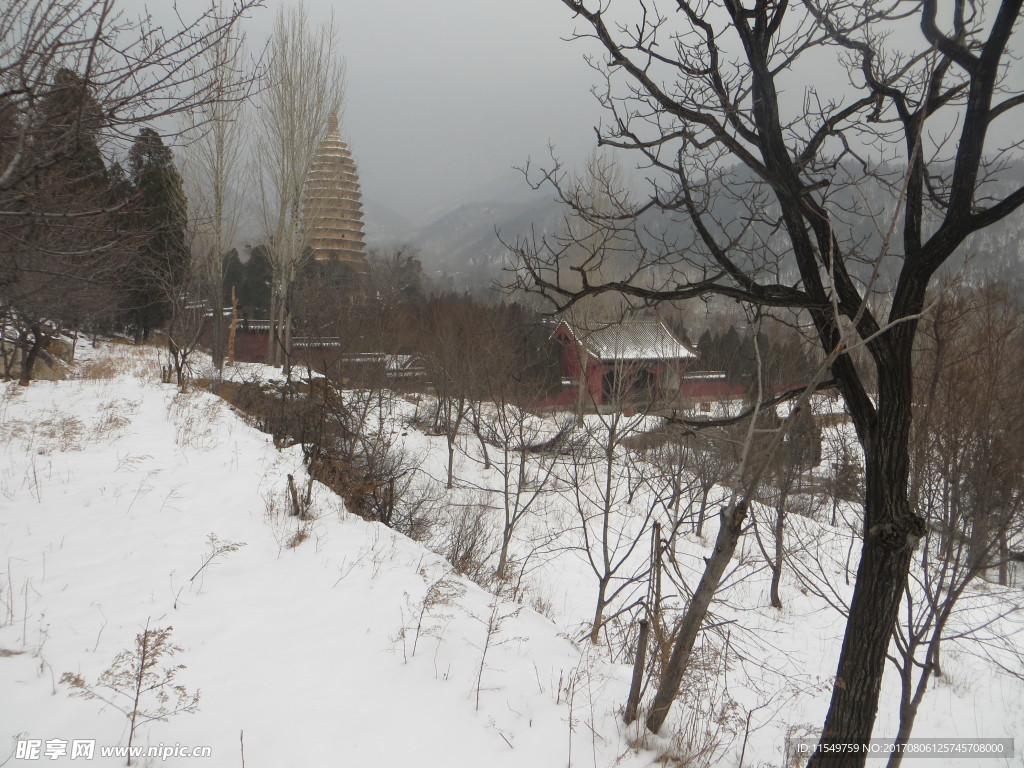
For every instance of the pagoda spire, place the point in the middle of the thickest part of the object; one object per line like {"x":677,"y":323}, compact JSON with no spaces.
{"x":333,"y":202}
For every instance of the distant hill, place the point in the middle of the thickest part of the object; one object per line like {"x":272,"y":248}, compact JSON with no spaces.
{"x":459,"y":241}
{"x":382,"y":223}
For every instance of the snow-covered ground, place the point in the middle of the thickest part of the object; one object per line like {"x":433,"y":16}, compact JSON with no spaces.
{"x":334,"y":641}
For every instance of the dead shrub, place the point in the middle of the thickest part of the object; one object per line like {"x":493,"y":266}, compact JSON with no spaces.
{"x":711,"y":721}
{"x":62,"y":430}
{"x":289,"y":530}
{"x":468,"y":542}
{"x":113,"y":416}
{"x":196,"y":420}
{"x":102,"y":368}
{"x":373,"y":476}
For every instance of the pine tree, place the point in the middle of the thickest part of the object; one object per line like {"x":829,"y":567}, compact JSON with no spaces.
{"x":254,"y":295}
{"x":49,"y":260}
{"x":707,"y":352}
{"x":158,"y":215}
{"x":70,"y":123}
{"x":234,"y":273}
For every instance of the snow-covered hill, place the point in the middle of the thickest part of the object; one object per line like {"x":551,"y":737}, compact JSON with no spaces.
{"x":335,"y":641}
{"x":116,"y":491}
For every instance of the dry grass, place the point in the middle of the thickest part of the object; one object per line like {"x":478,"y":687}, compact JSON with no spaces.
{"x":61,"y":432}
{"x":105,"y":368}
{"x":196,"y":420}
{"x":9,"y":393}
{"x":113,"y":416}
{"x":289,"y":530}
{"x":120,"y":358}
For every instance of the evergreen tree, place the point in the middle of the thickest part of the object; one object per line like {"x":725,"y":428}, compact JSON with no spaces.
{"x":158,"y":215}
{"x":730,"y":354}
{"x":52,"y":264}
{"x":234,"y":273}
{"x":707,"y":352}
{"x":254,"y":291}
{"x":70,"y":123}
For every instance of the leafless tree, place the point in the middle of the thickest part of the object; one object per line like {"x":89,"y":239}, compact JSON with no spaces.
{"x":521,"y":447}
{"x":612,"y":519}
{"x":77,"y":78}
{"x":966,"y":480}
{"x":137,"y":71}
{"x":775,"y":192}
{"x":186,"y":316}
{"x":212,"y":170}
{"x":305,"y":88}
{"x":799,"y":451}
{"x":454,"y":345}
{"x":525,"y":467}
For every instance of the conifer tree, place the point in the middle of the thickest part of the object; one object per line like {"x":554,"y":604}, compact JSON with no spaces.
{"x":46,"y":253}
{"x":158,"y":216}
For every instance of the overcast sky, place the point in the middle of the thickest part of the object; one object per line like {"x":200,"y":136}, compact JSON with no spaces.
{"x":445,"y":96}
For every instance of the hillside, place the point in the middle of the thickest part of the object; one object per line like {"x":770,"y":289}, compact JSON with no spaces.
{"x":459,"y":238}
{"x":336,"y":641}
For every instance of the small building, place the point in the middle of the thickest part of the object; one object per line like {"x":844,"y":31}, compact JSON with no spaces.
{"x":630,"y":363}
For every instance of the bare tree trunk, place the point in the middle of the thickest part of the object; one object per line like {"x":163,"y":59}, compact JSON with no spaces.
{"x":477,"y":422}
{"x":891,"y":534}
{"x":305,"y":92}
{"x":910,"y":703}
{"x":705,"y":491}
{"x":602,"y":593}
{"x":272,"y":327}
{"x":286,"y":351}
{"x":780,"y":550}
{"x":232,"y":328}
{"x":639,"y":663}
{"x":729,"y":530}
{"x":506,"y":540}
{"x":451,"y":462}
{"x":1004,"y":559}
{"x":29,"y":357}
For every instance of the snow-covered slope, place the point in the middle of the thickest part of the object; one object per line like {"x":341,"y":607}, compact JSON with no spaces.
{"x":334,"y":641}
{"x":115,"y":492}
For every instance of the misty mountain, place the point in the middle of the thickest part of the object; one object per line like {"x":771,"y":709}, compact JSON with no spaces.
{"x":460,"y":240}
{"x":382,"y":223}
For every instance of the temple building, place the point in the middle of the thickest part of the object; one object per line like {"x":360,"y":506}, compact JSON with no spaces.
{"x":333,"y":204}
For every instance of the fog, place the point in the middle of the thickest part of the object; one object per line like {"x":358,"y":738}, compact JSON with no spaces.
{"x":445,"y":97}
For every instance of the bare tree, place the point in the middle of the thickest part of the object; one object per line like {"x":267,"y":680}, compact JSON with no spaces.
{"x":776,"y":192}
{"x":966,"y":479}
{"x":525,"y":469}
{"x":134,"y":71}
{"x":77,"y":78}
{"x":454,"y":345}
{"x":187,"y":315}
{"x":799,"y":451}
{"x":521,"y":447}
{"x":610,"y":526}
{"x":212,"y":170}
{"x":305,"y":89}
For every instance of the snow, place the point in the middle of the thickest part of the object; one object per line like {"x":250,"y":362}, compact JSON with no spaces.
{"x":633,"y":340}
{"x":114,"y":491}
